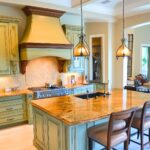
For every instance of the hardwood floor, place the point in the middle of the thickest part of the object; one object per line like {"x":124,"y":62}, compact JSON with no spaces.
{"x":21,"y":138}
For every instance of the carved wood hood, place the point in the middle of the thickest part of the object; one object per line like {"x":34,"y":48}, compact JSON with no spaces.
{"x":44,"y":35}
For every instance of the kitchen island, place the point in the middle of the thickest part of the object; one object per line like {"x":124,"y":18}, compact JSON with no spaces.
{"x":61,"y":123}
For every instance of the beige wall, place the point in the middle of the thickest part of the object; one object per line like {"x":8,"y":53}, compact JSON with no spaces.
{"x":107,"y":30}
{"x":96,"y":28}
{"x":118,"y":71}
{"x":141,"y":36}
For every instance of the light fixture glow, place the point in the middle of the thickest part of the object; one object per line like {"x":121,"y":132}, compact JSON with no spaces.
{"x":123,"y":50}
{"x":81,"y":49}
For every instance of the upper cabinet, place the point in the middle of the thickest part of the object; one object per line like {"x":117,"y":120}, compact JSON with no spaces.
{"x":9,"y":58}
{"x":73,"y":33}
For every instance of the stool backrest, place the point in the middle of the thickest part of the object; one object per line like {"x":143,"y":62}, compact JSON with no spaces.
{"x":145,"y":112}
{"x":125,"y":117}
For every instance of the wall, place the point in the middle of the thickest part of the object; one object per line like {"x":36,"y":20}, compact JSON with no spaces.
{"x":141,"y":36}
{"x":118,"y":71}
{"x":106,"y":30}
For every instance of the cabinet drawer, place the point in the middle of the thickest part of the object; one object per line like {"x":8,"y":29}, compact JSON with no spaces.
{"x":6,"y":103}
{"x":12,"y":119}
{"x":12,"y":97}
{"x":12,"y":113}
{"x":11,"y":108}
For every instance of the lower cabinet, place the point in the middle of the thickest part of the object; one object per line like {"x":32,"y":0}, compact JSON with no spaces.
{"x":29,"y":97}
{"x":47,"y":131}
{"x":52,"y":134}
{"x":12,"y":110}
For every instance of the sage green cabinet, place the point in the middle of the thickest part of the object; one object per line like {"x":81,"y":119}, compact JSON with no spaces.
{"x":9,"y":58}
{"x":4,"y":49}
{"x":52,"y":134}
{"x":73,"y":33}
{"x":12,"y":110}
{"x":29,"y":97}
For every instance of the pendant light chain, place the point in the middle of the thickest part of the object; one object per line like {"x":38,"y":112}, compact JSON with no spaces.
{"x":123,"y":50}
{"x":81,"y":23}
{"x":81,"y":49}
{"x":123,"y":22}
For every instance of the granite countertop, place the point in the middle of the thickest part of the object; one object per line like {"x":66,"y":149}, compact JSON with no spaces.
{"x":14,"y":93}
{"x":72,"y":110}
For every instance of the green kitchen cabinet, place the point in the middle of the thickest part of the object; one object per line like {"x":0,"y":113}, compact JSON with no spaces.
{"x":4,"y":49}
{"x":73,"y":33}
{"x":12,"y":110}
{"x":29,"y":97}
{"x":53,"y":134}
{"x":9,"y":58}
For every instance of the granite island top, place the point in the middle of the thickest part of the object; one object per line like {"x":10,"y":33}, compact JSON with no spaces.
{"x":72,"y":110}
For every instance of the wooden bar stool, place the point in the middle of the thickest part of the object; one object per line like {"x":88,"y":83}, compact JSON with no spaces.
{"x":113,"y":133}
{"x":141,"y":122}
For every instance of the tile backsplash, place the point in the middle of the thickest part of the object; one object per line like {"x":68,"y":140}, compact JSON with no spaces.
{"x":38,"y":72}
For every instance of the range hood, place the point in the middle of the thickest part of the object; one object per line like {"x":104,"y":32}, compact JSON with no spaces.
{"x":44,"y":35}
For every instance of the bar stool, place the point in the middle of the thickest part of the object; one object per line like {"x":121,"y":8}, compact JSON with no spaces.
{"x":113,"y":133}
{"x":141,"y":122}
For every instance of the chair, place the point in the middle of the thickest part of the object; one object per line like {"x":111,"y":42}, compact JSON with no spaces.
{"x":113,"y":133}
{"x":141,"y":122}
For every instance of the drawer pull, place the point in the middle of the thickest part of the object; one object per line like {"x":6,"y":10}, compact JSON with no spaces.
{"x":10,"y":119}
{"x":11,"y":108}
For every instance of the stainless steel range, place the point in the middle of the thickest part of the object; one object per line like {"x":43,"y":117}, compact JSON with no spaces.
{"x":45,"y":92}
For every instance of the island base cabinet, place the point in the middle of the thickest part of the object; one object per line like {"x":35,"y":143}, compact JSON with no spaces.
{"x":52,"y":134}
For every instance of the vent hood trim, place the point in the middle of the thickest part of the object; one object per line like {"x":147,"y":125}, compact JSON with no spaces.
{"x":46,"y":45}
{"x":29,"y":10}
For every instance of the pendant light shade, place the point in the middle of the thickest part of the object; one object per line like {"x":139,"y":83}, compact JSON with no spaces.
{"x":123,"y":50}
{"x":82,"y":48}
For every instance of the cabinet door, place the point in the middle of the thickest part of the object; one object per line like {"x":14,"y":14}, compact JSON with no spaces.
{"x":13,"y":46}
{"x":4,"y":49}
{"x":73,"y":33}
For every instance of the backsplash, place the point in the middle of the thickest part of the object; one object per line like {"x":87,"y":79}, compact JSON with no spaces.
{"x":42,"y":70}
{"x":38,"y":72}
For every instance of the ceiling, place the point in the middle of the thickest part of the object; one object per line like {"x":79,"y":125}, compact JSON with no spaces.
{"x":94,"y":10}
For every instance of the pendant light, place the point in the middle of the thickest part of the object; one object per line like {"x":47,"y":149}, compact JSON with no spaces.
{"x":81,"y":49}
{"x":123,"y":50}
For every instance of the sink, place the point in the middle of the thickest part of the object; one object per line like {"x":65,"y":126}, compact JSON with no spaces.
{"x":91,"y":95}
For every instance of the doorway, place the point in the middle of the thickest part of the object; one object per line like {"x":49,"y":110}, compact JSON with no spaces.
{"x":96,"y":57}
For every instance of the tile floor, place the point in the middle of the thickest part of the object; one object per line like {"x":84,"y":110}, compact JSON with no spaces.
{"x":21,"y":138}
{"x":17,"y":138}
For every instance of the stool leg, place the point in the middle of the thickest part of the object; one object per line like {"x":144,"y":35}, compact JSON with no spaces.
{"x":149,"y":135}
{"x":138,"y":134}
{"x":90,"y":144}
{"x":126,"y":143}
{"x":141,"y":134}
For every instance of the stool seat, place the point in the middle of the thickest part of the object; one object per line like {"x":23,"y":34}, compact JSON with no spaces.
{"x":137,"y":120}
{"x":99,"y":133}
{"x":114,"y":132}
{"x":141,"y":122}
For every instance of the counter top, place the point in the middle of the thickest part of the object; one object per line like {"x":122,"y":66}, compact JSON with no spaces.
{"x":14,"y":93}
{"x":72,"y":110}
